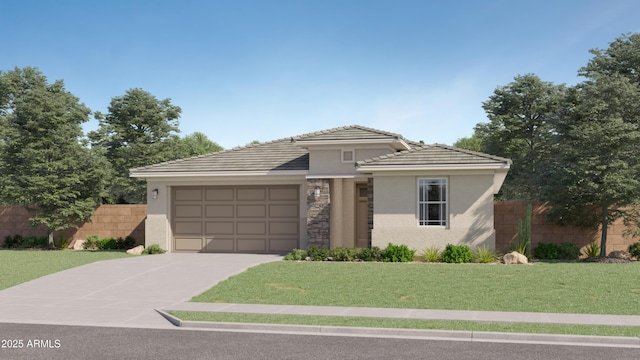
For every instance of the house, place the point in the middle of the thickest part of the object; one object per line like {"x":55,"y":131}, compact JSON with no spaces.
{"x":350,"y":186}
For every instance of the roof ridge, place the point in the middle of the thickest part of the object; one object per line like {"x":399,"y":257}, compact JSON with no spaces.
{"x":355,"y":126}
{"x":476,"y":153}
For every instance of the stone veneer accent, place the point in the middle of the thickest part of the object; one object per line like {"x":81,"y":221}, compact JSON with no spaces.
{"x":318,"y":213}
{"x":369,"y":209}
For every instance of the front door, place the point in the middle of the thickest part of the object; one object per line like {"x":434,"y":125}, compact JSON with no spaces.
{"x":362,"y":216}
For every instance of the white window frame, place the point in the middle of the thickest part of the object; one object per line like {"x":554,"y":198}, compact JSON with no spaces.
{"x":424,"y":202}
{"x":353,"y":156}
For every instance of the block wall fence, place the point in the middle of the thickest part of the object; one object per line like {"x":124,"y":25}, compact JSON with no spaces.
{"x":128,"y":220}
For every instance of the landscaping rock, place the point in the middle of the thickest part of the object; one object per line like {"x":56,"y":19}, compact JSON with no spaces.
{"x":136,"y":250}
{"x":515,"y":257}
{"x":620,"y":254}
{"x":78,"y":245}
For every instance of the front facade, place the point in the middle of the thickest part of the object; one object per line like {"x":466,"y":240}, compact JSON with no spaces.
{"x":350,"y":186}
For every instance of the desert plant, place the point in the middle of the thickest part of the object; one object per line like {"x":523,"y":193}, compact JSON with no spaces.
{"x":153,"y":249}
{"x":431,"y":254}
{"x":343,"y":254}
{"x":484,"y":255}
{"x":634,"y":250}
{"x":592,"y":250}
{"x":318,"y":253}
{"x":546,"y":251}
{"x":398,"y":253}
{"x":62,"y":242}
{"x":93,"y":242}
{"x":456,"y":254}
{"x":296,"y":255}
{"x":523,"y":243}
{"x":568,"y":251}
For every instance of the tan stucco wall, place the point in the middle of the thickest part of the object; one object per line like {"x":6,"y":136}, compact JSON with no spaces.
{"x":343,"y":212}
{"x":470,"y":219}
{"x":329,"y":161}
{"x":158,"y":227}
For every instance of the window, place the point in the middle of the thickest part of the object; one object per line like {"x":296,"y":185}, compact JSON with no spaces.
{"x":432,"y":202}
{"x":347,"y":156}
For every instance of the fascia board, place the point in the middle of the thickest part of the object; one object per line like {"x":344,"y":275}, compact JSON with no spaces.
{"x":165,"y":174}
{"x":372,"y":168}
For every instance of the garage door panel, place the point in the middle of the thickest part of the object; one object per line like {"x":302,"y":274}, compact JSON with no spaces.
{"x":282,"y":245}
{"x":283,"y":228}
{"x":188,"y":194}
{"x":251,"y":211}
{"x":219,"y":211}
{"x":251,"y":228}
{"x":188,"y":228}
{"x":283,"y":211}
{"x":283,"y":194}
{"x":252,"y":194}
{"x":188,"y":211}
{"x":220,"y":228}
{"x":188,"y":244}
{"x":252,"y":245}
{"x":220,"y":244}
{"x":219,"y":194}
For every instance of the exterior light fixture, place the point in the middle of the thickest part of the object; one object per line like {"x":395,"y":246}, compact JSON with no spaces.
{"x":154,"y":193}
{"x":316,"y":192}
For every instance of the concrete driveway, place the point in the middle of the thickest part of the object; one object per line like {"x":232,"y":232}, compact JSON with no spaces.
{"x":121,"y":292}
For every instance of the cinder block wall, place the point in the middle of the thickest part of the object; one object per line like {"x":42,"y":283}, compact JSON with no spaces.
{"x":506,"y":215}
{"x":108,"y":221}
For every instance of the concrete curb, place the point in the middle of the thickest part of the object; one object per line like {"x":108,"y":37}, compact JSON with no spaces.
{"x":469,"y":336}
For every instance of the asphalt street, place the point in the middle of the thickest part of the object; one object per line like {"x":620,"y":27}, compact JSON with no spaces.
{"x":53,"y":342}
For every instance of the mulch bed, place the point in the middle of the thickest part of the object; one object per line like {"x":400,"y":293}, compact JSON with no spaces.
{"x":606,"y":260}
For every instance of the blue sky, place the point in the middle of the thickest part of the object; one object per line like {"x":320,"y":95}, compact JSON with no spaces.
{"x":262,"y":70}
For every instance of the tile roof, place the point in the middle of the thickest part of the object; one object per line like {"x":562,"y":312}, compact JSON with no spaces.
{"x":436,"y":154}
{"x":354,"y":132}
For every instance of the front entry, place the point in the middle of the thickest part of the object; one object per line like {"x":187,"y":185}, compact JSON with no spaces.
{"x":362,"y":216}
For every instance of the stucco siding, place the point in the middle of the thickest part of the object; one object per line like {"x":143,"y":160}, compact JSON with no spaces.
{"x":329,"y":161}
{"x":470,"y":215}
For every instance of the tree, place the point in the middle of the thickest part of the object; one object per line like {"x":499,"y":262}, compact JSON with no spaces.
{"x":595,"y":173}
{"x":138,"y":130}
{"x":195,"y":144}
{"x":45,"y":166}
{"x":520,"y":114}
{"x":473,"y":143}
{"x":622,"y":57}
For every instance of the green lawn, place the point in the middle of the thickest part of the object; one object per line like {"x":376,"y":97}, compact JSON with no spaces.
{"x":531,"y":328}
{"x":582,"y":288}
{"x":18,"y":266}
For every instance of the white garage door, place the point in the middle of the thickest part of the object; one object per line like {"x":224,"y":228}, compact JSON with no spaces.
{"x":253,"y":219}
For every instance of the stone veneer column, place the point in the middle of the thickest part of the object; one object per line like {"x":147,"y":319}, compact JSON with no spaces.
{"x":369,"y":209}
{"x":318,"y":212}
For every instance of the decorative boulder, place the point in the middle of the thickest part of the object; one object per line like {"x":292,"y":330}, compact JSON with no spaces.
{"x":136,"y":250}
{"x":78,"y":245}
{"x":620,"y":254}
{"x":515,"y":257}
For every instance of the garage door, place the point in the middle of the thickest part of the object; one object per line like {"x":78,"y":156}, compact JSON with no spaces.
{"x":253,"y":219}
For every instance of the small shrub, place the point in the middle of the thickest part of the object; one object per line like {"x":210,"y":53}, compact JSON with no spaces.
{"x":35,"y":241}
{"x":398,"y":253}
{"x":634,"y":250}
{"x":62,"y":242}
{"x":431,"y":254}
{"x":92,"y":243}
{"x":592,"y":250}
{"x":107,"y":244}
{"x":126,"y":243}
{"x":546,"y":251}
{"x":568,"y":251}
{"x":343,"y":254}
{"x":456,"y":254}
{"x":484,"y":255}
{"x":153,"y":249}
{"x":12,"y":242}
{"x":296,"y":255}
{"x":366,"y":254}
{"x":317,"y":253}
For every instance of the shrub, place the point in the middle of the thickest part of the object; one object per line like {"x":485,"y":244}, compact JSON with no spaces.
{"x":634,"y":250}
{"x":366,"y":254}
{"x":107,"y":244}
{"x":523,"y":243}
{"x":547,"y":251}
{"x":456,"y":254}
{"x":92,"y":243}
{"x":431,"y":254}
{"x":398,"y":253}
{"x":62,"y":242}
{"x":592,"y":250}
{"x":296,"y":255}
{"x":343,"y":254}
{"x":568,"y":251}
{"x":35,"y":241}
{"x":11,"y":242}
{"x":153,"y":249}
{"x":126,"y":243}
{"x":317,"y":253}
{"x":484,"y":255}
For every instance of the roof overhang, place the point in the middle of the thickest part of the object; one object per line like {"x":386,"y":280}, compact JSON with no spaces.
{"x":395,"y":143}
{"x":422,"y":167}
{"x":174,"y":174}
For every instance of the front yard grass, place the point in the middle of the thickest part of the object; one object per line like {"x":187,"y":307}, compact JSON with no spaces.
{"x":18,"y":266}
{"x":531,"y":328}
{"x":580,"y":288}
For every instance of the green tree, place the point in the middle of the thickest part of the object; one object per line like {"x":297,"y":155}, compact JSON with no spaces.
{"x":595,"y":172}
{"x":473,"y":143}
{"x":195,"y":144}
{"x":622,"y":57}
{"x":44,"y":164}
{"x":138,"y":130}
{"x":520,"y":114}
